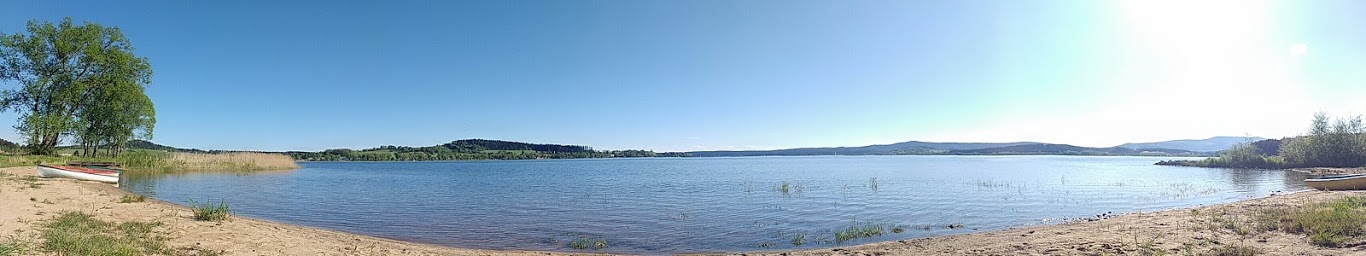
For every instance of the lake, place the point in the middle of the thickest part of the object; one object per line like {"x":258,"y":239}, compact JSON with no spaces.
{"x":670,"y":205}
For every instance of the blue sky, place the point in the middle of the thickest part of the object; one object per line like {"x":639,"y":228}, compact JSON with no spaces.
{"x":707,"y":75}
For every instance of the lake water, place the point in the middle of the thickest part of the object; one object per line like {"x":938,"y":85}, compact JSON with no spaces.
{"x":669,"y":205}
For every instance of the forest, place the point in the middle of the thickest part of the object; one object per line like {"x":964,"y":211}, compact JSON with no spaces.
{"x":473,"y":149}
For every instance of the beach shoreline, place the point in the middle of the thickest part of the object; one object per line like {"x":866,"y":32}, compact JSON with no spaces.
{"x":26,"y":207}
{"x":1175,"y":231}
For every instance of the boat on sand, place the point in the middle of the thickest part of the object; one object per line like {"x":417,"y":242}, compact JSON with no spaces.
{"x":1341,"y":182}
{"x":76,"y":172}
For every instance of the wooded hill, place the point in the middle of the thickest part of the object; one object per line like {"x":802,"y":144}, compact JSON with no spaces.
{"x":473,"y":149}
{"x":959,"y":148}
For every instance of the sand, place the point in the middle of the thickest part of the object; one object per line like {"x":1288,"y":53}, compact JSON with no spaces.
{"x":1171,"y":232}
{"x":1178,"y":231}
{"x":22,"y":208}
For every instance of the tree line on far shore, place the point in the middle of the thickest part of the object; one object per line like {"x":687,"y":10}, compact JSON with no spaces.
{"x":1339,"y":142}
{"x":474,"y":149}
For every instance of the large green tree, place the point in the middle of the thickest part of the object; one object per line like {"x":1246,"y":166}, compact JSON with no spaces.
{"x":79,"y":80}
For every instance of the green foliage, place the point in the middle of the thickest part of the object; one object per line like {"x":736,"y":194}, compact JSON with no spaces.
{"x":859,"y":230}
{"x":209,"y":211}
{"x":12,"y":247}
{"x":77,"y":233}
{"x":132,"y":199}
{"x":584,"y":243}
{"x":1341,"y":144}
{"x":75,"y":79}
{"x":1242,"y":155}
{"x":473,"y":149}
{"x":1329,"y":143}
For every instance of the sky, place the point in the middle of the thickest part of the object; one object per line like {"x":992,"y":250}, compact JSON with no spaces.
{"x":729,"y":75}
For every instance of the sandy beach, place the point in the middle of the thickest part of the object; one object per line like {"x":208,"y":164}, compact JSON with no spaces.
{"x":1177,"y":231}
{"x":24,"y":207}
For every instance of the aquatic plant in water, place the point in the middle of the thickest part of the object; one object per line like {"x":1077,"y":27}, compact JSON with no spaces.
{"x":859,"y":230}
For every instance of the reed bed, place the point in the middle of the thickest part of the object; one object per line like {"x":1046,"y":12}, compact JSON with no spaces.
{"x":179,"y":162}
{"x":159,"y":162}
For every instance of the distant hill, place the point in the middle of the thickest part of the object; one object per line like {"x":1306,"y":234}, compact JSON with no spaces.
{"x":1213,"y":144}
{"x":903,"y":148}
{"x":1064,"y":149}
{"x":957,"y":148}
{"x":473,"y":149}
{"x":142,"y":144}
{"x":1047,"y":149}
{"x":8,"y":144}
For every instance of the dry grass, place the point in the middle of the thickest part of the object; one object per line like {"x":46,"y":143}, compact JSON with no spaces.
{"x":236,"y":161}
{"x":139,"y":162}
{"x":181,"y":162}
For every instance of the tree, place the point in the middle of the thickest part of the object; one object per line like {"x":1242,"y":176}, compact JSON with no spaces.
{"x":1328,"y":144}
{"x":81,"y":80}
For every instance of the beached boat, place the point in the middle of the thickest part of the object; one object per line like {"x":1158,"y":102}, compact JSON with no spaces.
{"x":80,"y":173}
{"x":1343,"y":182}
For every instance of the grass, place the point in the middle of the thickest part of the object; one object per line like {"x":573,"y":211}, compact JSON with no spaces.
{"x":859,"y":230}
{"x":585,"y":243}
{"x":209,"y":211}
{"x":77,"y":233}
{"x":132,"y":199}
{"x":159,"y":162}
{"x":12,"y":247}
{"x":1233,"y":250}
{"x":1330,"y":224}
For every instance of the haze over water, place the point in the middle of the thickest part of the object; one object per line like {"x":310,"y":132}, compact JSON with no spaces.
{"x":668,"y":205}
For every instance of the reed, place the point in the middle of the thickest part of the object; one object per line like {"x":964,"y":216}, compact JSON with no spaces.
{"x":584,"y":243}
{"x":788,"y":187}
{"x":859,"y":230}
{"x":161,"y":162}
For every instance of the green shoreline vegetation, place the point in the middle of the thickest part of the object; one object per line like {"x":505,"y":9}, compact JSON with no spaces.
{"x":1329,"y":143}
{"x":474,"y":149}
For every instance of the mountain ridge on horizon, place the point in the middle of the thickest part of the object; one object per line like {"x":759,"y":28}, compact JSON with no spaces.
{"x":1211,"y":144}
{"x":1184,"y":146}
{"x":1171,"y":147}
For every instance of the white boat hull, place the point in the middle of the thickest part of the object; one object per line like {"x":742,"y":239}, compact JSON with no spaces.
{"x":1346,"y":182}
{"x":50,"y":172}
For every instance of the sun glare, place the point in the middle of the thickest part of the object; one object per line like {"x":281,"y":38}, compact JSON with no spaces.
{"x":1298,"y":50}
